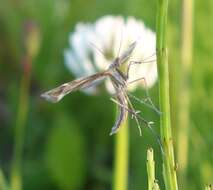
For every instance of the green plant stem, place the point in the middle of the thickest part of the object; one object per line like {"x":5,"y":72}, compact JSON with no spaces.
{"x":208,"y":187}
{"x":3,"y":182}
{"x":152,"y":182}
{"x":16,"y":179}
{"x":150,"y":168}
{"x":169,"y":171}
{"x":121,"y":158}
{"x":31,"y":42}
{"x":184,"y":90}
{"x":156,"y":186}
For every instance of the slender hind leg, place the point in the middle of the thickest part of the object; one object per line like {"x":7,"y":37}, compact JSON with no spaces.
{"x":134,"y":116}
{"x":147,"y":99}
{"x":148,"y":124}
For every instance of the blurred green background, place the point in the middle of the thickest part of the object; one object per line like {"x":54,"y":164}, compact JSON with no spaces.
{"x":66,"y":145}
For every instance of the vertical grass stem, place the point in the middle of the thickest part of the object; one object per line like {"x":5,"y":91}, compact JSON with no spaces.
{"x":152,"y":182}
{"x":184,"y":89}
{"x":16,"y":179}
{"x":169,"y":171}
{"x":121,"y":158}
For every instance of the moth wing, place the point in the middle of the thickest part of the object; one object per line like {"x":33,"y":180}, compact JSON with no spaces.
{"x":122,"y":113}
{"x":126,"y":54}
{"x":56,"y":94}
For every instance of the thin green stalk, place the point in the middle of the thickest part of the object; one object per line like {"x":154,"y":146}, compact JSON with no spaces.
{"x":156,"y":186}
{"x":152,"y":183}
{"x":3,"y":181}
{"x":121,"y":158}
{"x":31,"y":41}
{"x":169,"y":171}
{"x":16,"y":181}
{"x":208,"y":187}
{"x":184,"y":90}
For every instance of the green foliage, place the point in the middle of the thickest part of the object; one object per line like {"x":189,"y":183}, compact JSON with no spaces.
{"x":66,"y":155}
{"x":66,"y":145}
{"x":3,"y":182}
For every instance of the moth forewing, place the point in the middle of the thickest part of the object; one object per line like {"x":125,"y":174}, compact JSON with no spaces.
{"x":56,"y":94}
{"x":122,"y":113}
{"x":118,"y":61}
{"x":126,"y":54}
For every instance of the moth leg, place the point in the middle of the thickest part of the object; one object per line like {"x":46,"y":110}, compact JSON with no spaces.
{"x":123,"y":106}
{"x":134,"y":116}
{"x":145,"y":60}
{"x":147,"y":100}
{"x":148,"y":124}
{"x":131,"y":111}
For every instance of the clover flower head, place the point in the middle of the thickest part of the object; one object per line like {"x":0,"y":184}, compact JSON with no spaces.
{"x":93,"y":47}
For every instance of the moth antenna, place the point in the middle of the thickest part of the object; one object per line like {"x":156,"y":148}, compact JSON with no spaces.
{"x":120,"y":43}
{"x":97,"y":48}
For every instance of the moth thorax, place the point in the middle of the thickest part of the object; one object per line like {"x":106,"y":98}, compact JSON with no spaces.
{"x":115,"y":63}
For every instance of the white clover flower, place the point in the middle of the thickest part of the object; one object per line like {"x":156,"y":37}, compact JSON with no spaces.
{"x":112,"y":35}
